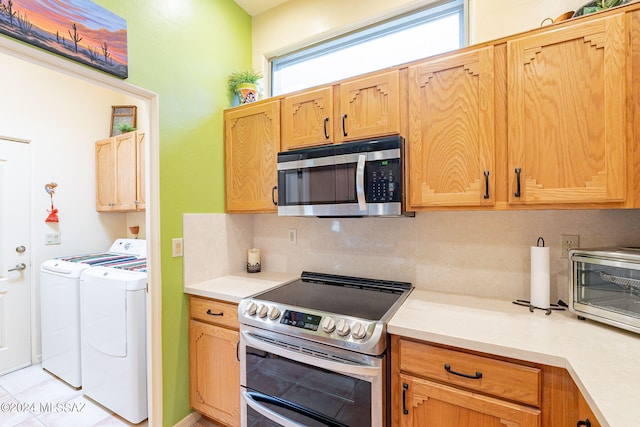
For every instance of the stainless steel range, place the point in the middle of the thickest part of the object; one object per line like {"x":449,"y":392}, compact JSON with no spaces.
{"x":313,"y":351}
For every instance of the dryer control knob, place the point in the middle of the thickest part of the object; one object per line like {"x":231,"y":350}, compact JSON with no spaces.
{"x":262,"y":310}
{"x":343,"y":328}
{"x":274,"y":313}
{"x":328,"y":325}
{"x":251,"y":308}
{"x":358,"y":331}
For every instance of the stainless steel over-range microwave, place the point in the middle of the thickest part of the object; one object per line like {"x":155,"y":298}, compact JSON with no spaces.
{"x":605,"y":285}
{"x":353,"y":179}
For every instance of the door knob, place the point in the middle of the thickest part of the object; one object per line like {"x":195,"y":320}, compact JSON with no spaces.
{"x":18,"y":267}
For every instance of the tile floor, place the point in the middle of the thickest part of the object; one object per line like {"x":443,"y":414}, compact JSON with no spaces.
{"x":32,"y":397}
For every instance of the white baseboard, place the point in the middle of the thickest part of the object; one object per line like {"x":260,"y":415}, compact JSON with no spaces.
{"x":189,"y":420}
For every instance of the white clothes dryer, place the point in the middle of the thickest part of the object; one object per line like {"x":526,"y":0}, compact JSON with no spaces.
{"x":114,"y":362}
{"x":60,"y":306}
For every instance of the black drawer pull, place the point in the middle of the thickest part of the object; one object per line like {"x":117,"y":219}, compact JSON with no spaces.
{"x":273,"y":198}
{"x":477,"y":376}
{"x":585,"y":423}
{"x":326,"y":134}
{"x":405,"y":387}
{"x":211,"y":313}
{"x":517,"y":193}
{"x":344,"y":125}
{"x":486,"y":184}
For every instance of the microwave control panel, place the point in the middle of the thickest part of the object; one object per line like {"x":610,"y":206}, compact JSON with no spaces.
{"x":383,"y":181}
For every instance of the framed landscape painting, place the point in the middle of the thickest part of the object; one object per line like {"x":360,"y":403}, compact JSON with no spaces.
{"x":77,"y":29}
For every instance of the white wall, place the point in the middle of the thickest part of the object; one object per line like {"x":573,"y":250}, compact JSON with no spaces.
{"x":299,"y":23}
{"x":62,"y":117}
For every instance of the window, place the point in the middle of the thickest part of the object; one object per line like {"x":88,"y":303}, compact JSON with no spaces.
{"x":426,"y":32}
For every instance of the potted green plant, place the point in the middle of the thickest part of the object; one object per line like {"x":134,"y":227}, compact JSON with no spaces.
{"x":245,"y":85}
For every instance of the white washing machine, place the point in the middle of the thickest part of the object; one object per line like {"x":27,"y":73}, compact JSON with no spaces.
{"x":60,"y":306}
{"x":113,"y":312}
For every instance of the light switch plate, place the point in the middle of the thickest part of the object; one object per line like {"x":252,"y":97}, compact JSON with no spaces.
{"x":176,"y":247}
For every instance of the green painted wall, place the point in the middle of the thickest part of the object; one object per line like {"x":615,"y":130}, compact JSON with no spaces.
{"x":184,"y":50}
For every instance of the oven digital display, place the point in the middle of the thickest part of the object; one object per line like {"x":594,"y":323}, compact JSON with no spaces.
{"x":301,"y":320}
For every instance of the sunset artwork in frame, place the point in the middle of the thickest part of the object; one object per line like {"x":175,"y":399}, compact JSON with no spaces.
{"x":79,"y":30}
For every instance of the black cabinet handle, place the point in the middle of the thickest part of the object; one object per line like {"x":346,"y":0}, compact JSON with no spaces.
{"x":344,"y":125}
{"x":585,"y":423}
{"x":326,"y":134}
{"x":405,"y":387}
{"x":211,"y":313}
{"x":273,"y":199}
{"x":486,"y":184}
{"x":238,"y":351}
{"x":477,"y":376}
{"x":517,"y":193}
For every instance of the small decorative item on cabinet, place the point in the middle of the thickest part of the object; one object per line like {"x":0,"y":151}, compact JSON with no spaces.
{"x":123,"y":119}
{"x":244,"y":84}
{"x":597,"y":6}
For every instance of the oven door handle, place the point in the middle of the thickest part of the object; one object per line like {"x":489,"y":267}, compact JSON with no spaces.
{"x":253,"y":400}
{"x":339,"y":367}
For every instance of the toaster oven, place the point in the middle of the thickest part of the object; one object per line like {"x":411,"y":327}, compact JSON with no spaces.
{"x":605,"y":286}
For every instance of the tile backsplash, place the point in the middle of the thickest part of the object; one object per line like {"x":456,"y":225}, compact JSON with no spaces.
{"x":467,"y":252}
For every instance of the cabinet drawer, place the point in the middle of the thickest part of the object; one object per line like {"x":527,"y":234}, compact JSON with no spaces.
{"x":502,"y":379}
{"x":216,"y":312}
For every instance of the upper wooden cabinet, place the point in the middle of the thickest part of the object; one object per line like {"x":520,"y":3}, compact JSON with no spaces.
{"x":567,"y":114}
{"x":354,"y":109}
{"x":369,"y":106}
{"x":252,"y":142}
{"x":451,"y":140}
{"x":120,"y":173}
{"x":307,"y":119}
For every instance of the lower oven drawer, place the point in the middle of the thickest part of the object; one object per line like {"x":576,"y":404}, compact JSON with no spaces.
{"x":291,"y":382}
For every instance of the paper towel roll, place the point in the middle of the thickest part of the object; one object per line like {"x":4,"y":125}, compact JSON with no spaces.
{"x":540,"y":277}
{"x":253,"y":260}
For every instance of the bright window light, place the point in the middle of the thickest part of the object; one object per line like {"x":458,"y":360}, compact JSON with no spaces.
{"x":420,"y":34}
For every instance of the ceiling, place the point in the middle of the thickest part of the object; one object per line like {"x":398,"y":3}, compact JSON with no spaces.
{"x":254,"y":7}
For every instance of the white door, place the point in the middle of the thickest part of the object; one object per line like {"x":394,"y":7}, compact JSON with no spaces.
{"x":15,"y":265}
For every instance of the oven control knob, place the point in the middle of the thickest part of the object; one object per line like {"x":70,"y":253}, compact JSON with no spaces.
{"x":274,"y":313}
{"x":328,"y":325}
{"x":358,"y":331}
{"x":262,"y":310}
{"x":343,"y":328}
{"x":251,"y":309}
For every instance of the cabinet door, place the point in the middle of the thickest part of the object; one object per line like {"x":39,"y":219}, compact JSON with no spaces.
{"x":451,"y":138}
{"x":369,"y":107}
{"x":566,"y":114}
{"x":430,"y":404}
{"x":214,"y":372}
{"x":105,"y":175}
{"x":141,"y":202}
{"x":307,"y":119}
{"x":252,"y":142}
{"x":126,"y":171}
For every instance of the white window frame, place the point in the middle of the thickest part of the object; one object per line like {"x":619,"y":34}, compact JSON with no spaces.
{"x":393,"y":25}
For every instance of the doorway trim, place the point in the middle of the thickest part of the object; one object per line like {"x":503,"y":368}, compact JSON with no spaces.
{"x":152,"y":212}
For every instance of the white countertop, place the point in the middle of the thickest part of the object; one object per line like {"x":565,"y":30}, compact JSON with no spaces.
{"x":236,"y":286}
{"x":602,"y":360}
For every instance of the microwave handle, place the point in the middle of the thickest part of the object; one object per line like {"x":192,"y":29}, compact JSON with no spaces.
{"x":362,"y":200}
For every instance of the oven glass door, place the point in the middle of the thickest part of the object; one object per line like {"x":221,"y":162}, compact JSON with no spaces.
{"x":288,"y":390}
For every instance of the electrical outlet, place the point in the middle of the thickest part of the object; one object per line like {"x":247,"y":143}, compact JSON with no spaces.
{"x":569,"y":241}
{"x":176,"y":247}
{"x":293,"y":236}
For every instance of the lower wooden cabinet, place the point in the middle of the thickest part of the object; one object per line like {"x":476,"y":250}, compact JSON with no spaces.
{"x":434,"y":385}
{"x":428,"y":403}
{"x":214,"y":366}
